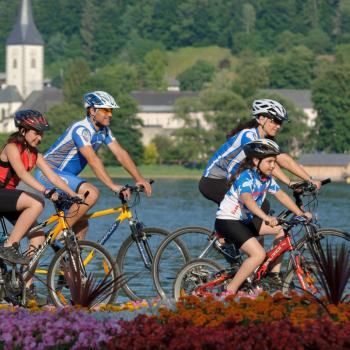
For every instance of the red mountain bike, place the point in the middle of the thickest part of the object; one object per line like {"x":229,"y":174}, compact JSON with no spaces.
{"x":204,"y":276}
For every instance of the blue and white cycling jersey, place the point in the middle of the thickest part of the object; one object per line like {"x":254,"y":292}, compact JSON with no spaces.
{"x":227,"y":158}
{"x":249,"y":181}
{"x":64,"y":154}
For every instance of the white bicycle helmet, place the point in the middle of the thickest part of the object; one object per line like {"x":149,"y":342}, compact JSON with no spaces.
{"x":99,"y":99}
{"x":261,"y":149}
{"x":269,"y":108}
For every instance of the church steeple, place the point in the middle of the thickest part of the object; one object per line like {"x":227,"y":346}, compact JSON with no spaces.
{"x":25,"y":31}
{"x":25,"y":54}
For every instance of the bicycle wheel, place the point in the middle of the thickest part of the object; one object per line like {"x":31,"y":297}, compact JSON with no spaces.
{"x":97,"y":263}
{"x":194,"y":274}
{"x":136,"y":266}
{"x":327,"y":236}
{"x":168,"y":260}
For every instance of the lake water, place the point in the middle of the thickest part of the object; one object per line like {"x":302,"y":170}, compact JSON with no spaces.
{"x":178,"y":203}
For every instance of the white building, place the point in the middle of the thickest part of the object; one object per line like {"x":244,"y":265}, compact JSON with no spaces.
{"x":22,"y":86}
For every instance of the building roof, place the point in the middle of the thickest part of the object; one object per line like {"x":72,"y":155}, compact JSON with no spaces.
{"x":10,"y":94}
{"x":159,"y":101}
{"x":25,"y":32}
{"x":43,"y":100}
{"x":325,"y":159}
{"x":301,"y":98}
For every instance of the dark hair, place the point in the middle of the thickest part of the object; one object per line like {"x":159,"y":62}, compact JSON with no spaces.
{"x":245,"y":164}
{"x":244,"y":125}
{"x":17,"y":137}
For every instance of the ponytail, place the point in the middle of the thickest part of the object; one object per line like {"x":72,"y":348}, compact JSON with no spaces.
{"x":245,"y":164}
{"x":245,"y":125}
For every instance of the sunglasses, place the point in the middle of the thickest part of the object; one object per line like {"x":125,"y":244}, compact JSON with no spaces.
{"x":276,"y":121}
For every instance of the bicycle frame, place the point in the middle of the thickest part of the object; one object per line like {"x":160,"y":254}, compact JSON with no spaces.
{"x":125,"y":213}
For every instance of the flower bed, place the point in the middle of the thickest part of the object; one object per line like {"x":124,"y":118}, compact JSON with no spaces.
{"x":266,"y":322}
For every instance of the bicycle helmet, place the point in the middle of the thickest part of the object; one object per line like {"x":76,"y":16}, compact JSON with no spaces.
{"x":31,"y":119}
{"x":261,"y":149}
{"x":99,"y":99}
{"x":270,"y":109}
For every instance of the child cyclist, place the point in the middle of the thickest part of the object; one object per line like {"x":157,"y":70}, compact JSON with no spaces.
{"x":17,"y":159}
{"x":240,"y":218}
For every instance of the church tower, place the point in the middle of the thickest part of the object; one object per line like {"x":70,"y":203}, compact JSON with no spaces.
{"x":25,"y":54}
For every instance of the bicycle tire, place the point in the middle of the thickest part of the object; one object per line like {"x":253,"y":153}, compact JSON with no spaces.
{"x":290,"y":282}
{"x":187,"y":279}
{"x":167,"y":261}
{"x":59,"y":291}
{"x":140,"y":286}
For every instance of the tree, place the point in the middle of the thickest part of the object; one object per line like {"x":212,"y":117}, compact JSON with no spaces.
{"x":195,"y":77}
{"x":152,"y":71}
{"x":89,"y":19}
{"x":150,"y":154}
{"x":331,"y":97}
{"x":249,"y":17}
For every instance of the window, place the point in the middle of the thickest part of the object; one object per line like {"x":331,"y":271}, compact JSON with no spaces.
{"x":33,"y":63}
{"x":14,"y":63}
{"x":2,"y":114}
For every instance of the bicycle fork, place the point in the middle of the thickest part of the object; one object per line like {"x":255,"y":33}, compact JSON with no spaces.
{"x":141,"y":241}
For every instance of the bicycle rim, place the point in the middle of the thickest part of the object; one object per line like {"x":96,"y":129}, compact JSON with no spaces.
{"x":98,"y":266}
{"x":333,"y":237}
{"x":193,"y":275}
{"x":169,"y":260}
{"x":137,"y":270}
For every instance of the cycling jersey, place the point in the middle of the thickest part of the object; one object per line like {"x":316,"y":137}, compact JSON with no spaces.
{"x":8,"y":177}
{"x":249,"y":181}
{"x":228,"y":157}
{"x":64,"y":154}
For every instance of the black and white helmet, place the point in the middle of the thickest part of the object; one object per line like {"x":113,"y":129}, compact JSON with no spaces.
{"x":261,"y":149}
{"x":269,"y":108}
{"x":99,"y":99}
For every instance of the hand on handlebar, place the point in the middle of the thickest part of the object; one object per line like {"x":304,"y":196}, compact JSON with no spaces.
{"x":122,"y":191}
{"x":271,"y":221}
{"x":147,"y":186}
{"x":307,"y":215}
{"x":316,"y":183}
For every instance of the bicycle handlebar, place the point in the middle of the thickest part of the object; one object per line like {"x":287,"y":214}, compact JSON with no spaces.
{"x":307,"y":186}
{"x":133,"y":189}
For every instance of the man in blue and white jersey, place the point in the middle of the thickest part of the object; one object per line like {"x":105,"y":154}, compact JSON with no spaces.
{"x":77,"y":147}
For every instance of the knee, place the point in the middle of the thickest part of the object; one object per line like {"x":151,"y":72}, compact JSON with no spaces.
{"x":260,"y":256}
{"x":39,"y":204}
{"x":93,"y":195}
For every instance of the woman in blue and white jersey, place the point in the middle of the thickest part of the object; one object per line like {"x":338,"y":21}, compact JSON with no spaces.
{"x":268,"y":117}
{"x":240,"y":218}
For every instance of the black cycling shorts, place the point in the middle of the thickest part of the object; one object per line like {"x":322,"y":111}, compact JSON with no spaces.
{"x":234,"y":231}
{"x":8,"y":204}
{"x":213,"y":189}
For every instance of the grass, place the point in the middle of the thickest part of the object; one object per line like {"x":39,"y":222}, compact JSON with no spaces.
{"x":181,"y":59}
{"x":152,"y":171}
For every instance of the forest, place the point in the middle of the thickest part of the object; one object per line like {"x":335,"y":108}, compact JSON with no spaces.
{"x":125,"y":45}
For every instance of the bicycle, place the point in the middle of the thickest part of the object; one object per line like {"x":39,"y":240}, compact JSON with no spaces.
{"x":13,"y":279}
{"x":143,"y":241}
{"x":206,"y":244}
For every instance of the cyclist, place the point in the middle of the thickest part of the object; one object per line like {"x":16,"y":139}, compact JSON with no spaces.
{"x":240,"y":218}
{"x":268,"y":117}
{"x":22,"y":208}
{"x":77,"y":147}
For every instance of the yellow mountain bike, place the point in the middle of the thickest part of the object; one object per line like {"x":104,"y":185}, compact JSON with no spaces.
{"x":85,"y":257}
{"x":135,"y":255}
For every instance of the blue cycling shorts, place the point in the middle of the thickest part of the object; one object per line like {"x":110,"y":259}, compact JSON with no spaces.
{"x":73,"y":181}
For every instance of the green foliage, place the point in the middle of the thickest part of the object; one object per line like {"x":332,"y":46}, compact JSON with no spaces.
{"x":331,"y":96}
{"x":3,"y":139}
{"x":195,"y":77}
{"x":150,"y":154}
{"x":152,"y":71}
{"x":167,"y":151}
{"x":292,"y":70}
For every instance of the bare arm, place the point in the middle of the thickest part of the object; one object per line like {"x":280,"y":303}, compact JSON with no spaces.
{"x":280,"y":175}
{"x":125,"y":160}
{"x":98,"y":168}
{"x":16,"y":162}
{"x":250,"y":203}
{"x":286,"y":161}
{"x":286,"y":201}
{"x":52,"y":176}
